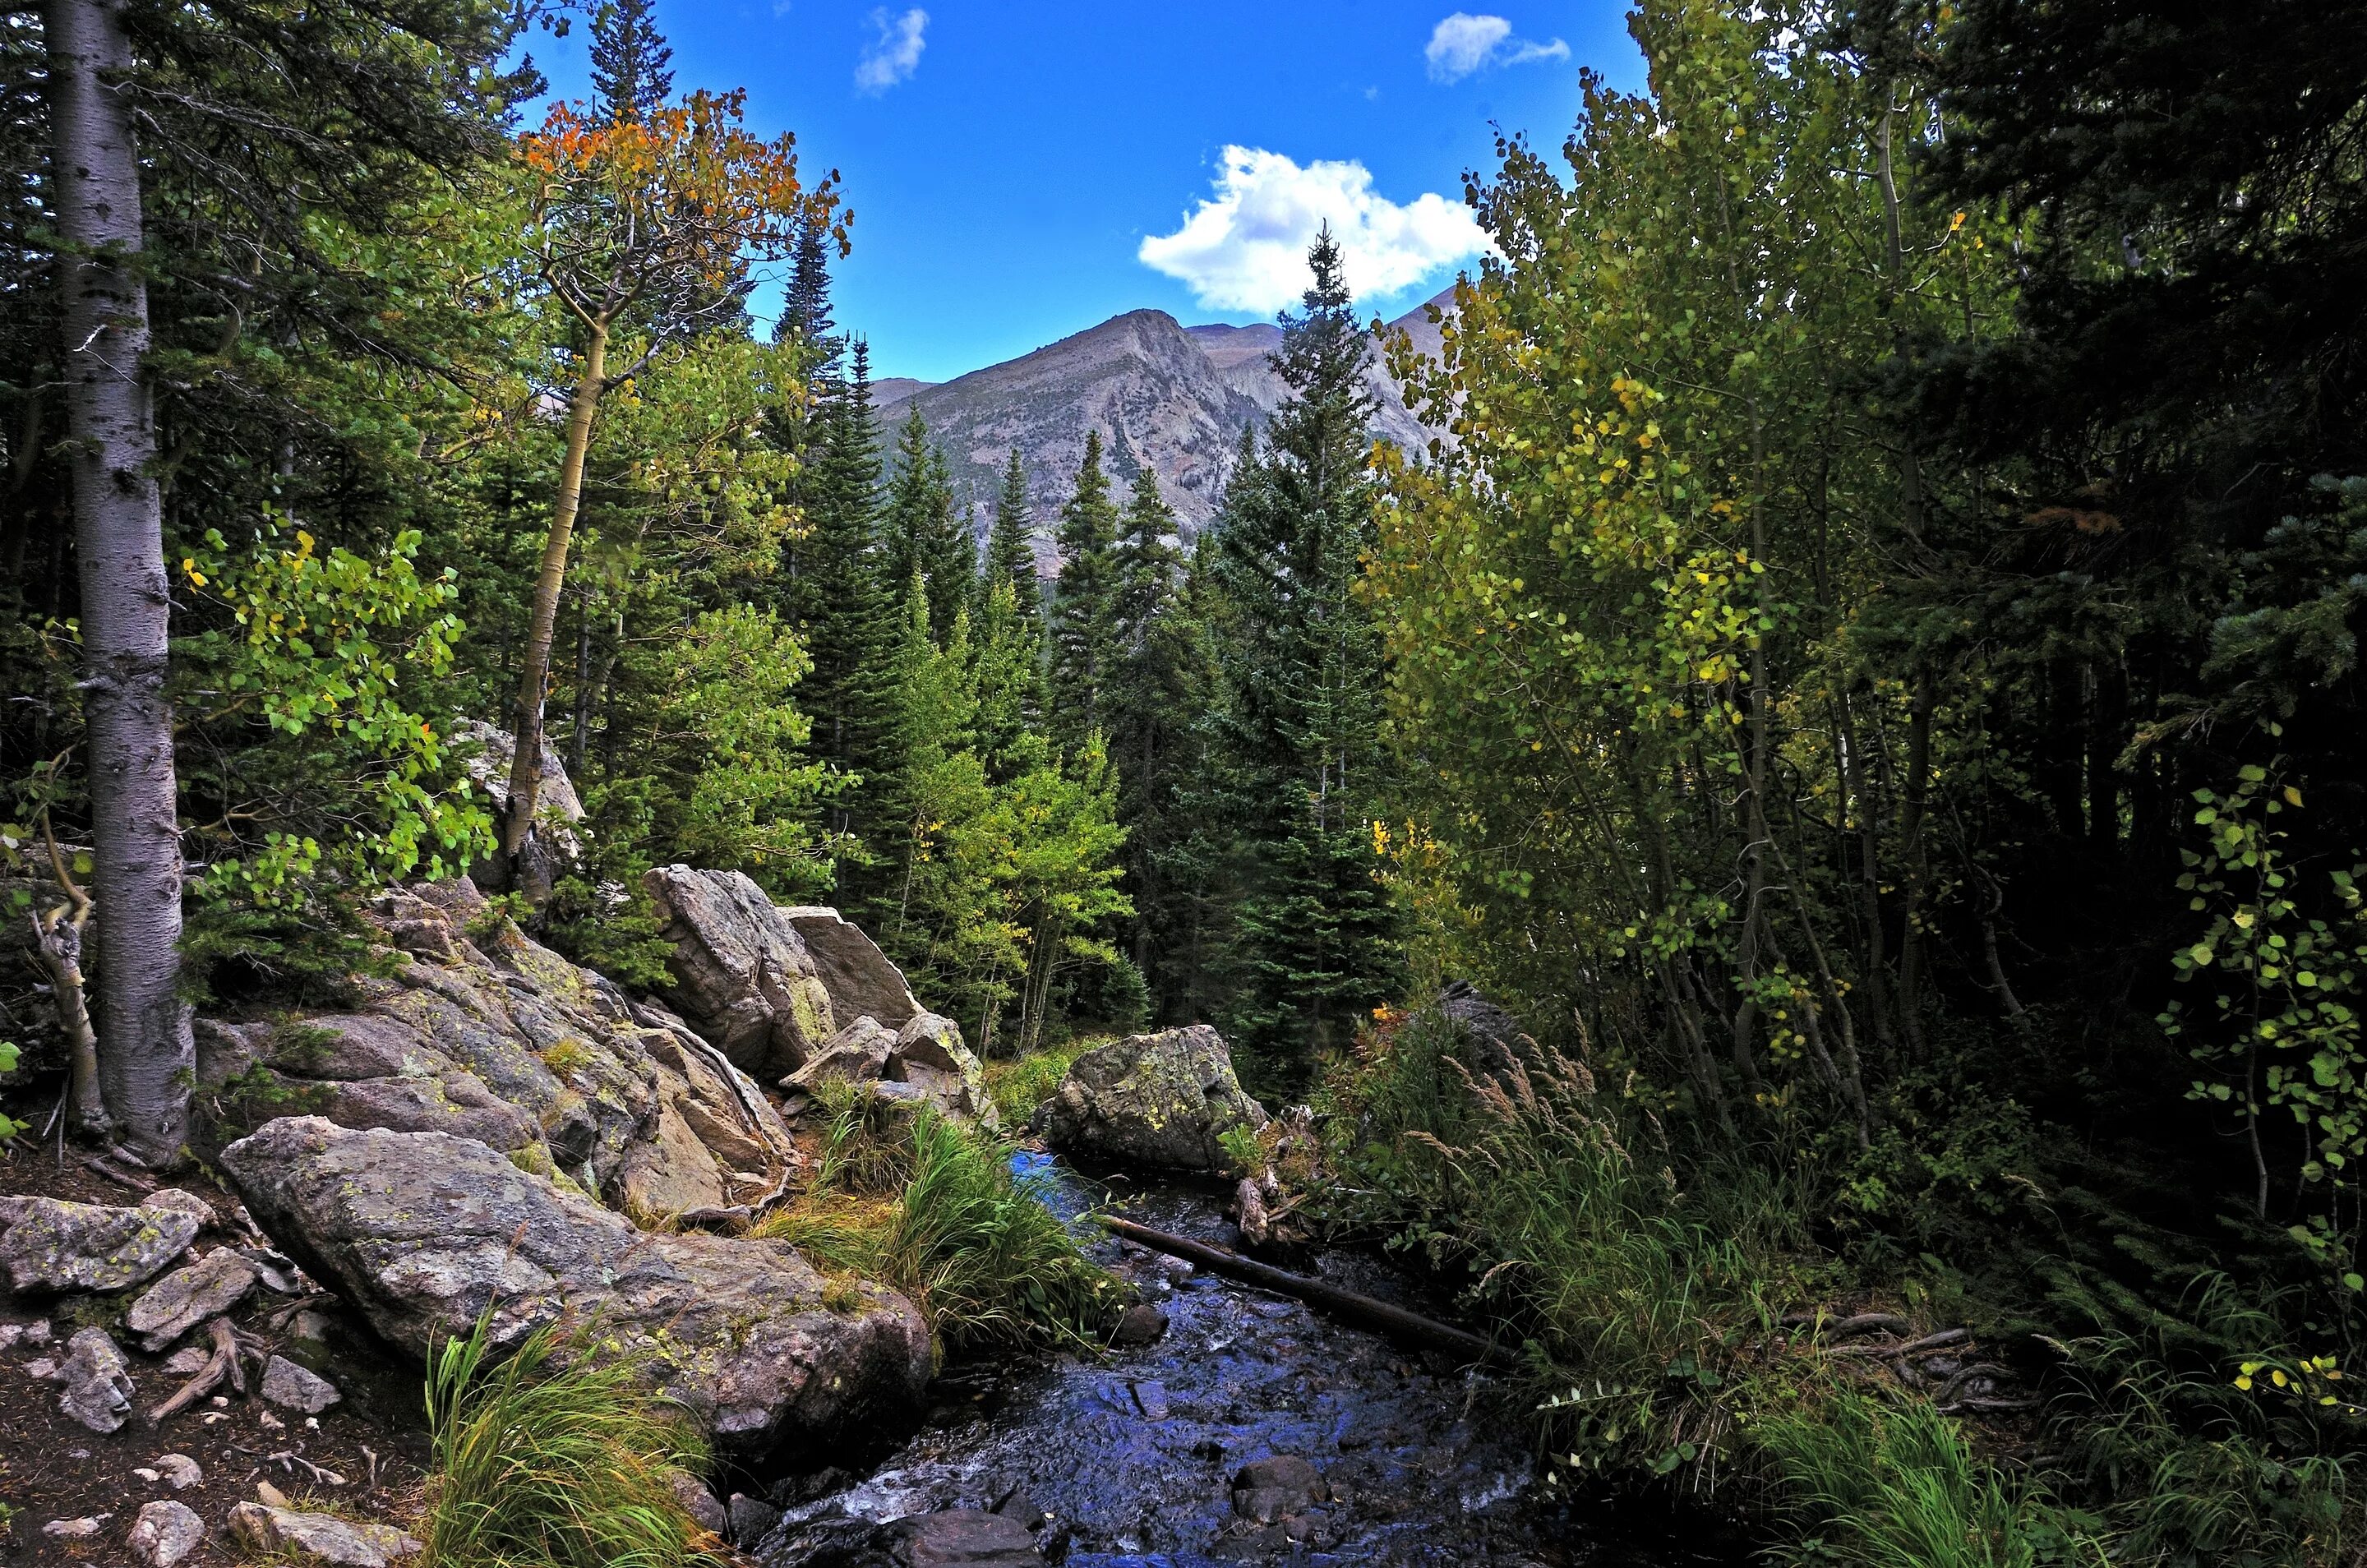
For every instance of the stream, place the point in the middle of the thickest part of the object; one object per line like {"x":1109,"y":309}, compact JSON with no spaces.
{"x":1130,"y":1459}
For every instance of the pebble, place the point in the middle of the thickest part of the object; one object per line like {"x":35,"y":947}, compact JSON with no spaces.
{"x":76,"y":1529}
{"x":41,"y":1368}
{"x":189,"y":1360}
{"x":1151,"y":1399}
{"x":178,"y":1471}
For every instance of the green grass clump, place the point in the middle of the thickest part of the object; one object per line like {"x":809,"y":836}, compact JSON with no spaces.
{"x":545,"y":1465}
{"x":915,"y":1200}
{"x":1019,"y":1088}
{"x":1879,"y":1486}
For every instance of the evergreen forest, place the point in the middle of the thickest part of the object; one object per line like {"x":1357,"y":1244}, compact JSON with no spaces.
{"x":1859,"y":676}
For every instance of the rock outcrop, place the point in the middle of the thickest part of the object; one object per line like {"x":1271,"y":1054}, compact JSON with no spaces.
{"x":862,"y":981}
{"x":1158,"y":1099}
{"x":488,"y":1035}
{"x":743,"y":976}
{"x":423,"y":1232}
{"x":926,"y":1057}
{"x":552,"y":846}
{"x":48,"y":1244}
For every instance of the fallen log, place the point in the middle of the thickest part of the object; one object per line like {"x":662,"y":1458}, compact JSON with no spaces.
{"x":1346,"y":1304}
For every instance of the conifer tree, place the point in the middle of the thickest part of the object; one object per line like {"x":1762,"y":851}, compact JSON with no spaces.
{"x":631,"y":66}
{"x":1011,"y":547}
{"x":921,"y":531}
{"x":1150,"y":694}
{"x":1082,"y":624}
{"x":805,"y":306}
{"x":839,"y":602}
{"x":1299,"y":732}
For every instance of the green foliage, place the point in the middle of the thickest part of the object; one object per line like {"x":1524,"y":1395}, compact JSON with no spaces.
{"x":991,"y":1267}
{"x":559,"y":1455}
{"x":1081,"y":627}
{"x":1018,"y":1087}
{"x":1877,"y":1485}
{"x":9,"y":1126}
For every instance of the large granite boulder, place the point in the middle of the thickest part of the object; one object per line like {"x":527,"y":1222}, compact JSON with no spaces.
{"x":486,"y":1034}
{"x":423,"y":1232}
{"x":48,"y":1244}
{"x":1157,"y":1100}
{"x":862,"y":981}
{"x":552,"y":843}
{"x":743,"y":976}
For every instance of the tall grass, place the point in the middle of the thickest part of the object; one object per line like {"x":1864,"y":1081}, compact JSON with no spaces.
{"x":540,"y":1464}
{"x":1640,"y":1303}
{"x":916,"y":1200}
{"x":1018,"y":1088}
{"x":1894,"y":1486}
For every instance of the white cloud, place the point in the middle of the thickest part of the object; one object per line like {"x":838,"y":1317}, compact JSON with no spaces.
{"x":895,"y":54}
{"x":1245,"y":247}
{"x":1463,"y":44}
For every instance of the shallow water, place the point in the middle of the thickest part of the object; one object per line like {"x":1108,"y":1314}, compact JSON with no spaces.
{"x":1133,"y":1456}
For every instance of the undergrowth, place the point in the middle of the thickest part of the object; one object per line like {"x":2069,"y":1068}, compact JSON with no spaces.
{"x":544,"y":1460}
{"x":1652,"y":1300}
{"x":914,"y":1198}
{"x":1019,"y":1088}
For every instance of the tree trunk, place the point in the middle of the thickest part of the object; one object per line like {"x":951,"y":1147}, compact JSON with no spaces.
{"x":147,"y":1059}
{"x":525,"y":764}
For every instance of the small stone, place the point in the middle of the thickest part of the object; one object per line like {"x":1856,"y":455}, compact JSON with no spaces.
{"x":701,"y":1504}
{"x":1278,"y":1488}
{"x":964,"y":1535}
{"x":166,"y":1533}
{"x":188,"y":1202}
{"x":290,"y":1387}
{"x":186,"y":1297}
{"x":310,"y":1327}
{"x":319,"y":1538}
{"x":269,"y":1422}
{"x":1021,"y":1506}
{"x":98,"y":1384}
{"x":76,"y":1529}
{"x":179,"y":1471}
{"x":751,"y":1520}
{"x":41,"y":1369}
{"x":38,"y":1332}
{"x":1150,"y":1398}
{"x":189,"y":1360}
{"x":1141,"y":1325}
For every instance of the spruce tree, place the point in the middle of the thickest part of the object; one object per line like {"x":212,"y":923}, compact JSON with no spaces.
{"x":921,"y":530}
{"x":1082,"y":624}
{"x":805,"y":305}
{"x":1298,"y":739}
{"x":1011,"y":544}
{"x":839,"y":602}
{"x":1150,"y":694}
{"x":631,"y":66}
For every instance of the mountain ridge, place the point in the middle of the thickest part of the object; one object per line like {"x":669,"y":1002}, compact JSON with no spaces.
{"x":1173,"y":399}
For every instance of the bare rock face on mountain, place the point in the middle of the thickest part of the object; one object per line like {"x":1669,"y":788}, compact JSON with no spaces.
{"x":423,"y":1232}
{"x":742,"y":974}
{"x":486,"y":1034}
{"x":1157,"y":1100}
{"x":1171,"y":399}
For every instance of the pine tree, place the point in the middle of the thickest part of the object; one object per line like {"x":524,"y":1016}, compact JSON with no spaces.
{"x":1298,"y":736}
{"x":805,"y":305}
{"x":1083,"y":624}
{"x":1011,"y":545}
{"x":839,"y":602}
{"x":921,"y":531}
{"x":1151,"y":693}
{"x":631,"y":71}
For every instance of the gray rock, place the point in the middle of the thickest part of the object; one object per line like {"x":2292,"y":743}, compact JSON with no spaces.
{"x":955,"y":1538}
{"x":704,"y":1508}
{"x":319,"y":1538}
{"x":1279,"y":1487}
{"x":751,"y":1518}
{"x":862,"y":981}
{"x":742,"y":974}
{"x":188,"y":1203}
{"x":488,"y":752}
{"x":1157,"y":1100}
{"x":422,"y":1232}
{"x":47,"y":1244}
{"x":189,"y":1360}
{"x":166,"y":1533}
{"x":291,"y":1387}
{"x":98,"y":1384}
{"x":1150,"y":1398}
{"x":856,"y":1053}
{"x":503,"y":1041}
{"x":930,"y":1052}
{"x":82,"y":1528}
{"x":178,"y":1471}
{"x":186,"y":1297}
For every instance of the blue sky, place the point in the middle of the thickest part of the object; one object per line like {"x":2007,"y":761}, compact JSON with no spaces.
{"x":1007,"y":163}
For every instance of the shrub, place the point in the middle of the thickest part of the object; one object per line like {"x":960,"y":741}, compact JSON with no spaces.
{"x":1019,"y":1088}
{"x":917,"y":1200}
{"x":545,"y":1465}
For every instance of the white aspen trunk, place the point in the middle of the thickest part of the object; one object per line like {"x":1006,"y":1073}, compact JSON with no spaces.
{"x":146,"y":1056}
